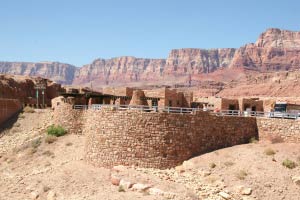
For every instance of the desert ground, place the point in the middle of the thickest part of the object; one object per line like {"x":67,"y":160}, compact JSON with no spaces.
{"x":32,"y":166}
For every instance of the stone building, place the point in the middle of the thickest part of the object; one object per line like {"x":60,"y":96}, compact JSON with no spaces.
{"x":218,"y":103}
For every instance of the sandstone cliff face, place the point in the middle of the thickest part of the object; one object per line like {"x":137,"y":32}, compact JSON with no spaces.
{"x":279,"y":39}
{"x":122,"y":69}
{"x":59,"y":72}
{"x":196,"y":61}
{"x":275,"y":50}
{"x":181,"y":62}
{"x":22,"y":88}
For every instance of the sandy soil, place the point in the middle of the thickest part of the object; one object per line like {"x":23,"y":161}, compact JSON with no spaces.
{"x":37,"y":170}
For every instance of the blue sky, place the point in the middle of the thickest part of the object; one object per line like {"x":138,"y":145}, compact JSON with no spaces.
{"x":79,"y":31}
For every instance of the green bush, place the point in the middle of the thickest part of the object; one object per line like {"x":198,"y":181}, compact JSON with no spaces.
{"x":56,"y":130}
{"x":289,"y":164}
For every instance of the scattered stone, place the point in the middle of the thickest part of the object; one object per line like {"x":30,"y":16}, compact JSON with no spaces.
{"x":115,"y":180}
{"x":244,"y":190}
{"x":119,"y":168}
{"x":180,"y":169}
{"x":224,"y":195}
{"x":296,"y":180}
{"x":140,"y":187}
{"x":34,"y":195}
{"x":51,"y":195}
{"x":156,"y":191}
{"x":125,"y":184}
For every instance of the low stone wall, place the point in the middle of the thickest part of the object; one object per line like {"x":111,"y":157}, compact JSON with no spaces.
{"x":159,"y":140}
{"x":279,"y":130}
{"x":8,"y":108}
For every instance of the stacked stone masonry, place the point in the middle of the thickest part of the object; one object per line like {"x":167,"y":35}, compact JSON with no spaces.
{"x":164,"y":140}
{"x":279,"y":130}
{"x":159,"y":140}
{"x":8,"y":108}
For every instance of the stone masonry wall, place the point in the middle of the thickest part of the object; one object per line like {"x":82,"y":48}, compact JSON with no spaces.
{"x":278,"y":130}
{"x":159,"y":140}
{"x":8,"y":108}
{"x":72,"y":120}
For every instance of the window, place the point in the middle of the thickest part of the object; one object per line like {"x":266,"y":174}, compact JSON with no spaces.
{"x":231,"y":107}
{"x":178,"y":103}
{"x":170,"y":103}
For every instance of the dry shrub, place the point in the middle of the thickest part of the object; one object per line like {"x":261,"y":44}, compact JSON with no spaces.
{"x":28,"y":109}
{"x":69,"y":144}
{"x":241,"y":174}
{"x":269,"y":152}
{"x":212,"y":165}
{"x":49,"y":139}
{"x":36,"y":143}
{"x":48,"y":153}
{"x":228,"y":163}
{"x":253,"y":140}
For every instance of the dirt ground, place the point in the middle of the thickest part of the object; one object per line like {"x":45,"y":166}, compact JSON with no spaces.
{"x":30,"y":168}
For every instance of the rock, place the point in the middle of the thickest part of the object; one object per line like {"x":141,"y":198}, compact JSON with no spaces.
{"x":244,"y":190}
{"x":156,"y":191}
{"x":140,"y":187}
{"x":34,"y":195}
{"x":296,"y":180}
{"x":180,"y":169}
{"x":51,"y":195}
{"x":125,"y":184}
{"x":119,"y":168}
{"x":115,"y":180}
{"x":224,"y":195}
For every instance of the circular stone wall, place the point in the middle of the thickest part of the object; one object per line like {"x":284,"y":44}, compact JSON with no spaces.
{"x":158,"y":140}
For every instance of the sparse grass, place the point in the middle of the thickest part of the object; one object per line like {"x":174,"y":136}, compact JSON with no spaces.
{"x":56,"y":130}
{"x":212,"y":165}
{"x":289,"y":164}
{"x":253,"y":140}
{"x":69,"y":144}
{"x":36,"y":143}
{"x":28,"y":109}
{"x":241,"y":174}
{"x":49,"y":139}
{"x":121,"y":189}
{"x":269,"y":152}
{"x":228,"y":163}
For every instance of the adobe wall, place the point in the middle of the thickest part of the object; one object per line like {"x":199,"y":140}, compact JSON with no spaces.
{"x":278,"y":130}
{"x":159,"y":140}
{"x":8,"y":108}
